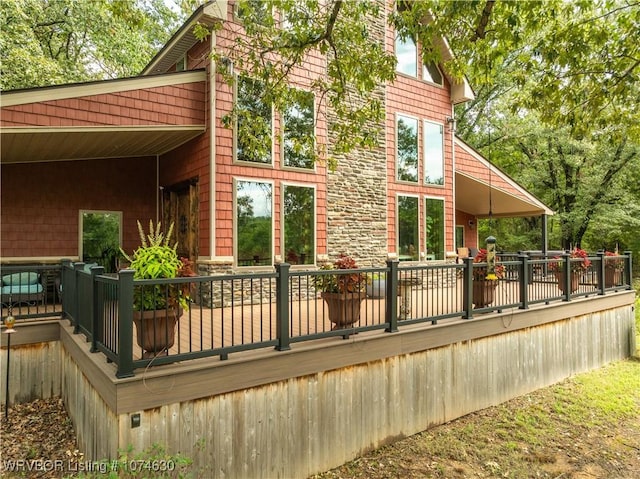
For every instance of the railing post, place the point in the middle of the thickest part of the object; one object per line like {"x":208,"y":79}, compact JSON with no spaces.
{"x":282,"y":306}
{"x":66,"y":265}
{"x":628,"y":264}
{"x":524,"y":280}
{"x":125,"y":323}
{"x":77,"y":267}
{"x":391,"y":300}
{"x":96,"y":317}
{"x":566,"y":267}
{"x":600,"y":272}
{"x":467,"y":288}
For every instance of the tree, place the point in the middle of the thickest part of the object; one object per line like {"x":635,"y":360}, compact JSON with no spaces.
{"x":277,"y":36}
{"x":582,"y":180}
{"x":580,"y":55}
{"x":62,"y":41}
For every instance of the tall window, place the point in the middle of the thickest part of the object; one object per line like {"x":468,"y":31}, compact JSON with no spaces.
{"x":407,"y":148}
{"x":408,"y":224}
{"x":253,"y":125}
{"x":406,"y":56}
{"x":299,"y":224}
{"x":434,"y":227}
{"x":298,"y":134}
{"x":459,"y":236}
{"x":433,"y":154}
{"x":254,"y":223}
{"x":101,"y":235}
{"x":431,"y":73}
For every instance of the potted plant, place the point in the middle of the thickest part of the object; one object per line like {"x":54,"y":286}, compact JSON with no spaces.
{"x":343,"y":292}
{"x":579,"y":263}
{"x":484,"y":282}
{"x":158,"y":307}
{"x":613,"y":266}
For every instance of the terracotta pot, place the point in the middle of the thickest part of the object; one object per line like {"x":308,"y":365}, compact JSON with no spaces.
{"x":483,"y":292}
{"x":575,"y":280}
{"x":344,"y":308}
{"x":612,"y":277}
{"x":156,"y":330}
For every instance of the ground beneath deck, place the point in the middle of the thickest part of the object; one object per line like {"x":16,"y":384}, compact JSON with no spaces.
{"x":561,"y":431}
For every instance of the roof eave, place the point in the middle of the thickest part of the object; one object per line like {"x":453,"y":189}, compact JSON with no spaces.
{"x":461,"y":90}
{"x":208,"y":14}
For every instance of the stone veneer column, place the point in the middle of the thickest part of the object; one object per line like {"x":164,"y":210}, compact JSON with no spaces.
{"x":357,"y":191}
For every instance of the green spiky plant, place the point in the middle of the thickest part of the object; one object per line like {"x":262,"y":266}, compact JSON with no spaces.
{"x":155,"y":258}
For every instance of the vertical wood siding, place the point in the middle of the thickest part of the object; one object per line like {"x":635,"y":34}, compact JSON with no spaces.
{"x":95,"y":424}
{"x":34,"y":372}
{"x":310,"y":423}
{"x":297,"y":427}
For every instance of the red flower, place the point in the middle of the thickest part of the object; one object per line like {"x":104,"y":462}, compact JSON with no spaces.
{"x":575,"y":266}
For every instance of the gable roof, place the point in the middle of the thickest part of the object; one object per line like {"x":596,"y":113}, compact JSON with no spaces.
{"x":207,"y":14}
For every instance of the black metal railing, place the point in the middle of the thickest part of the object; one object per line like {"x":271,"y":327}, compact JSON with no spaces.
{"x":232,"y":313}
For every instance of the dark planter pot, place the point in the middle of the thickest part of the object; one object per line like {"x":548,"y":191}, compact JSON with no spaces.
{"x":484,"y":292}
{"x":612,"y":277}
{"x":575,"y":281}
{"x":344,"y":308}
{"x":156,"y":330}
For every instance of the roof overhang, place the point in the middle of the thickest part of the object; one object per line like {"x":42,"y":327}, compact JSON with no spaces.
{"x":24,"y":145}
{"x":208,"y":14}
{"x":477,"y":198}
{"x":461,"y":90}
{"x":483,"y":199}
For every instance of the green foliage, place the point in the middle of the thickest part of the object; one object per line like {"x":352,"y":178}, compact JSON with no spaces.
{"x":49,"y":43}
{"x":101,"y":239}
{"x":152,"y":463}
{"x":156,"y":259}
{"x":299,"y":224}
{"x":276,"y":44}
{"x":556,"y":84}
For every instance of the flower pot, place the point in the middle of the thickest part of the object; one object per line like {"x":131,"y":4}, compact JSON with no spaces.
{"x":344,"y":308}
{"x":156,"y":330}
{"x":612,"y":277}
{"x":484,"y":292}
{"x":575,"y":280}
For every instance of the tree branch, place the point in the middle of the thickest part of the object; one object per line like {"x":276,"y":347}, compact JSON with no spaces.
{"x":480,"y":31}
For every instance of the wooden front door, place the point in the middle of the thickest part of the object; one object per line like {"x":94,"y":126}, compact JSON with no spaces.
{"x":181,"y":207}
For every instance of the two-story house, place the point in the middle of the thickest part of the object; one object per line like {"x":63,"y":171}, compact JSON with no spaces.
{"x":156,"y":147}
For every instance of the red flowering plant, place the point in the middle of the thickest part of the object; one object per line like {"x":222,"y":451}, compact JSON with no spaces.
{"x":580,"y":266}
{"x":480,"y":272}
{"x":615,"y":263}
{"x":341,"y":283}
